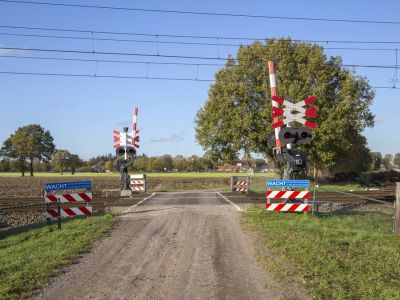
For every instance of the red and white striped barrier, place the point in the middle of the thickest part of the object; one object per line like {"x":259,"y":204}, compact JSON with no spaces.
{"x":240,"y":189}
{"x":272,"y":83}
{"x":240,"y":183}
{"x":135,"y":131}
{"x":137,"y":188}
{"x":292,"y":207}
{"x":70,"y":212}
{"x":137,"y":183}
{"x":67,"y":198}
{"x":287,"y":194}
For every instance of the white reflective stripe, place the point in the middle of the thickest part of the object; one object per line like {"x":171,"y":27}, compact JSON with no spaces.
{"x":301,"y":207}
{"x":286,"y":207}
{"x":302,"y":194}
{"x":273,"y":194}
{"x":288,"y":117}
{"x":295,"y":106}
{"x":287,"y":194}
{"x":272,"y":207}
{"x":272,"y":80}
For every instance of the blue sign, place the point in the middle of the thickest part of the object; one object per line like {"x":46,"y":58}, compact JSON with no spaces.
{"x":69,"y":185}
{"x":288,"y":183}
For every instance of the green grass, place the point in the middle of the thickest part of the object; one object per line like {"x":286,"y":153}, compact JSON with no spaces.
{"x":346,"y":257}
{"x":151,"y":175}
{"x":28,"y":257}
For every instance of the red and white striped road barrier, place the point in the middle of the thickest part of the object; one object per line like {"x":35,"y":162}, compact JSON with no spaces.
{"x":293,"y":207}
{"x":135,"y":131}
{"x":240,"y":189}
{"x":272,"y":83}
{"x":294,"y":112}
{"x":241,"y":183}
{"x":287,"y":194}
{"x":70,"y":212}
{"x":67,"y":198}
{"x":137,"y":188}
{"x":135,"y":181}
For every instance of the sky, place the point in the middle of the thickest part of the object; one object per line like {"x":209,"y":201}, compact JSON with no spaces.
{"x":82,"y":112}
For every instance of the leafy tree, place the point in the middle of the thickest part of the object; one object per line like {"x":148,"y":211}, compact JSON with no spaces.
{"x":180,"y":163}
{"x":396,"y":160}
{"x":168,"y":162}
{"x":376,"y":160}
{"x":18,"y":146}
{"x":30,"y":142}
{"x":237,"y":114}
{"x":73,"y":162}
{"x":59,"y":160}
{"x":63,"y":160}
{"x":387,"y":161}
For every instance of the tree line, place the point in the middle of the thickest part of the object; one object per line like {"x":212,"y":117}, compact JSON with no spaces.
{"x":31,"y":148}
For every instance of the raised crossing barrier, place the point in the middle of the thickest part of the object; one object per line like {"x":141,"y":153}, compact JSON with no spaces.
{"x":138,"y":183}
{"x":240,"y":184}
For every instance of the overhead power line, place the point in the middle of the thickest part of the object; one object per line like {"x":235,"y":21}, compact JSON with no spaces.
{"x":152,"y":55}
{"x":159,"y":35}
{"x":201,"y":13}
{"x":170,"y":42}
{"x":134,"y":77}
{"x":110,"y":61}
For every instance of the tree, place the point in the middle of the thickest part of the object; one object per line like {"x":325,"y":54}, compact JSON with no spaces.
{"x":63,"y":160}
{"x":18,"y":146}
{"x":59,"y":160}
{"x":73,"y":161}
{"x":376,"y":161}
{"x":180,"y":163}
{"x":237,"y":114}
{"x":396,"y":160}
{"x":168,"y":162}
{"x":387,"y":161}
{"x":30,"y":142}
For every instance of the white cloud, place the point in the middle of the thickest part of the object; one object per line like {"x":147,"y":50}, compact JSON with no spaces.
{"x":172,"y":137}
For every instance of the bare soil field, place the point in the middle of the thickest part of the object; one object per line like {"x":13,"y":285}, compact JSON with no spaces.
{"x":22,"y":187}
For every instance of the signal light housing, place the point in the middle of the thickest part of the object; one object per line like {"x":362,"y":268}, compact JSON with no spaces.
{"x":287,"y":135}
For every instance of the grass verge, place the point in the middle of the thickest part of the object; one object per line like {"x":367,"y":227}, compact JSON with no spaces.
{"x":344,"y":257}
{"x":29,"y":256}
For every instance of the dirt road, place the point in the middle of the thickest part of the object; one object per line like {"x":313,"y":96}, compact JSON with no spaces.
{"x":169,"y":246}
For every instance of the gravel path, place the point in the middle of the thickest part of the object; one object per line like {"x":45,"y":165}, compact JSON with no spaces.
{"x":171,"y":246}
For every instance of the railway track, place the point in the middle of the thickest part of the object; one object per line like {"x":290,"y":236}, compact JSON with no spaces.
{"x":37,"y":204}
{"x":99,"y":203}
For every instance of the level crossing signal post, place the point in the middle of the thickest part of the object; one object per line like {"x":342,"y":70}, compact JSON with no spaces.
{"x":125,"y":149}
{"x":285,"y":137}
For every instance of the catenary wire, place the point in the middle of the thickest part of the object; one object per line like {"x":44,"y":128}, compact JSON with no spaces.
{"x":135,"y":77}
{"x":162,"y":56}
{"x":164,"y":63}
{"x":91,"y":31}
{"x":171,"y":42}
{"x":201,"y":13}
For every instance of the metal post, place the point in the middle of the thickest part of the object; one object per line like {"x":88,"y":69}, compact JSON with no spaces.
{"x":397,"y":213}
{"x":59,"y":213}
{"x":314,"y":195}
